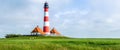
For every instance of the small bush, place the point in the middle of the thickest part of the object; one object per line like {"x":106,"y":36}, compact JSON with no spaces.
{"x":12,"y":35}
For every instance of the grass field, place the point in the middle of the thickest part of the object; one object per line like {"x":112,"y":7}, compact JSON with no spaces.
{"x":41,"y":43}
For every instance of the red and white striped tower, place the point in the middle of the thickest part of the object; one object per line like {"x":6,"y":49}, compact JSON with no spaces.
{"x":46,"y":27}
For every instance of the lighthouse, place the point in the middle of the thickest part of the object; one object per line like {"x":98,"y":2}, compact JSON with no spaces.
{"x":46,"y":27}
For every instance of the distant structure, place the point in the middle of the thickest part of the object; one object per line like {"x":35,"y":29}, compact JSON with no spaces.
{"x":46,"y":19}
{"x":54,"y":32}
{"x":46,"y":27}
{"x":37,"y":31}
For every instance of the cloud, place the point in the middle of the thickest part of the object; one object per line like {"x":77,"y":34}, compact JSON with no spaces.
{"x":104,"y":17}
{"x":93,"y":18}
{"x":109,"y":9}
{"x":100,"y":20}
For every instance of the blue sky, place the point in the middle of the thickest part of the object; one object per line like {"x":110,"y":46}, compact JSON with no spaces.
{"x":74,"y":18}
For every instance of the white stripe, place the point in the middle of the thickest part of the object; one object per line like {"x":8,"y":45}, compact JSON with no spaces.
{"x":47,"y":33}
{"x":46,"y":23}
{"x":46,"y":14}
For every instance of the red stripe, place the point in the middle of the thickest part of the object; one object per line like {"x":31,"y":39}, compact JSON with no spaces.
{"x":46,"y":18}
{"x":46,"y":29}
{"x":46,"y":9}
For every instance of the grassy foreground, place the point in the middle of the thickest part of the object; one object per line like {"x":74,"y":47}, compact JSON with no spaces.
{"x":54,"y":43}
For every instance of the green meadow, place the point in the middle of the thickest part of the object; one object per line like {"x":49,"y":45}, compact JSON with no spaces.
{"x":59,"y":43}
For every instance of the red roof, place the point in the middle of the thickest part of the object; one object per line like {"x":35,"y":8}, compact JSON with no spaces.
{"x":38,"y":30}
{"x":54,"y":31}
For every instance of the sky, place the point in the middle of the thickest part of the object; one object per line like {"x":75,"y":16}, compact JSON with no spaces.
{"x":73,"y":18}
